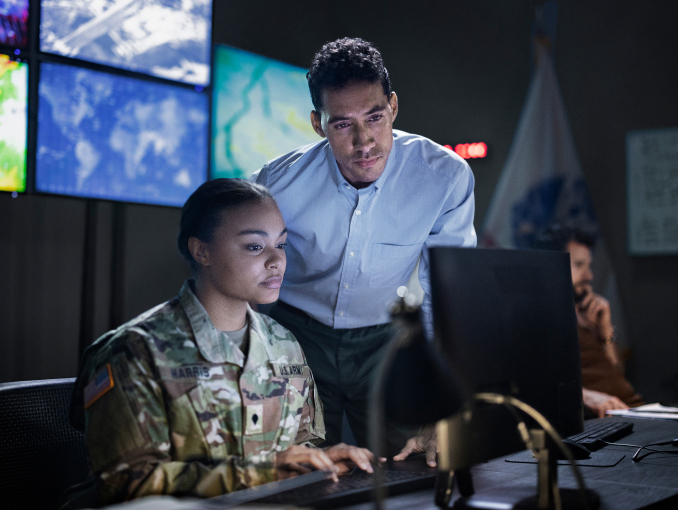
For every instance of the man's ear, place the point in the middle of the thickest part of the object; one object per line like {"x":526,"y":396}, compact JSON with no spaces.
{"x":393,"y":101}
{"x":199,"y":251}
{"x":315,"y":122}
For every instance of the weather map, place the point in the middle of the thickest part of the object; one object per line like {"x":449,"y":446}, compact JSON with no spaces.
{"x":165,"y":38}
{"x":13,"y":114}
{"x":119,"y":138}
{"x":261,"y":109}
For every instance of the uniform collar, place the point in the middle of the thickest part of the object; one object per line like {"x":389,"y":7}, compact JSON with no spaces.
{"x":213,"y":344}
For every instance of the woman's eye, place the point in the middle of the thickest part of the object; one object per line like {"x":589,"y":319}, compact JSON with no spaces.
{"x":281,"y":246}
{"x":254,"y":247}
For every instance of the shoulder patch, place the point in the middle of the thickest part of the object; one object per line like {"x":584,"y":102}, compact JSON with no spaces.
{"x":98,"y":385}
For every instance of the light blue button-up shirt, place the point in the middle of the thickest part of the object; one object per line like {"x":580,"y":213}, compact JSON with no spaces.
{"x":349,"y":250}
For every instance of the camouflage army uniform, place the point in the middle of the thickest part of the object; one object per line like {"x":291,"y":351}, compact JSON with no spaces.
{"x":171,"y":406}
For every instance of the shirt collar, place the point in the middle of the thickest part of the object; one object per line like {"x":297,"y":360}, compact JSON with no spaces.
{"x":340,"y":180}
{"x":214,"y":345}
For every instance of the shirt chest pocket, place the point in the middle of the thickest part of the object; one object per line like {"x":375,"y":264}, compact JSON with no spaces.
{"x":392,"y":264}
{"x":218,"y":407}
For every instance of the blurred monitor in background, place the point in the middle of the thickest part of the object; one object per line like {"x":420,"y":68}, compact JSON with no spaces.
{"x":13,"y":118}
{"x":260,"y":109}
{"x":14,"y":23}
{"x":114,"y":137}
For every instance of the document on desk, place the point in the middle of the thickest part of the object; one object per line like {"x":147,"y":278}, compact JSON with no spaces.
{"x":651,"y":411}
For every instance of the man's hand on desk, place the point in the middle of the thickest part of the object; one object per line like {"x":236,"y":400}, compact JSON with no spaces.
{"x":337,"y":459}
{"x":599,"y":402}
{"x":425,"y":441}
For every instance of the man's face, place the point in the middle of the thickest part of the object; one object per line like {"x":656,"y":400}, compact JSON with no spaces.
{"x":580,"y":264}
{"x":357,"y":120}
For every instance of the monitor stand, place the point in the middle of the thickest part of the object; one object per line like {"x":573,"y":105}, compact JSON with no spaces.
{"x":547,"y":455}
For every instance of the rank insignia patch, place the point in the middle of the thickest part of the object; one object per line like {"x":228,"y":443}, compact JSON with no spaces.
{"x":100,"y":384}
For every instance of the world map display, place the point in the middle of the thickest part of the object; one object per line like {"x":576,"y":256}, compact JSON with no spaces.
{"x":260,"y":109}
{"x":13,"y":114}
{"x":165,"y":38}
{"x":119,"y":138}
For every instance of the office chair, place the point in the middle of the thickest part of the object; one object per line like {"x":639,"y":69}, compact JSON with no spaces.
{"x":41,"y":455}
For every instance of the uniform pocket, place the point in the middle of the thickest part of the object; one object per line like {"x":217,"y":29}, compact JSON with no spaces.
{"x":392,"y":264}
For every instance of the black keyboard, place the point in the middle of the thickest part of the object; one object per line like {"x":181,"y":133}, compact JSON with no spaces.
{"x":595,"y":432}
{"x":352,"y":489}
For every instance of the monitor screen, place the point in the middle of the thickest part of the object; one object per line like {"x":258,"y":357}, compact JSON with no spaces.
{"x":261,"y":109}
{"x":13,"y":113}
{"x":166,"y":38}
{"x":14,"y":23}
{"x":505,"y":323}
{"x":119,"y":138}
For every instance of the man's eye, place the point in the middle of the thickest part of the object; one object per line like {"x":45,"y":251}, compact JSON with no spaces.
{"x":341,"y":125}
{"x":375,"y":118}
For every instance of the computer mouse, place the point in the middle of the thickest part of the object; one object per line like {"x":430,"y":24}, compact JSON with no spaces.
{"x":578,"y":451}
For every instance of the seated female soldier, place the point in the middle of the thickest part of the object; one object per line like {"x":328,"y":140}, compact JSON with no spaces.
{"x":201,"y":395}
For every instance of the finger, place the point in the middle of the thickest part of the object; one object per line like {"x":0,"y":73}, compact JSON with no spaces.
{"x":406,"y":451}
{"x":431,"y":453}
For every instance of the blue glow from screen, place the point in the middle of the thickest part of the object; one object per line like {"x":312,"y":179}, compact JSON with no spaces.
{"x":119,"y":138}
{"x":165,"y":38}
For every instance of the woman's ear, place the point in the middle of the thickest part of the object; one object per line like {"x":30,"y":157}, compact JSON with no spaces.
{"x":199,"y":251}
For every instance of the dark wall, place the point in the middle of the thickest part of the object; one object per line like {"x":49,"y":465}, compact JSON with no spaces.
{"x":461,"y":70}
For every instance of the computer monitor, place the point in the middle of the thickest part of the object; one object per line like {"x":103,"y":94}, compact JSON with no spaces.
{"x":505,"y":322}
{"x":14,"y":23}
{"x":113,"y":137}
{"x":165,"y":38}
{"x":261,"y":109}
{"x":13,"y":120}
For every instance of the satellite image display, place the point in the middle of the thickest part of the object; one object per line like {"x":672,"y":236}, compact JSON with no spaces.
{"x":165,"y":38}
{"x":14,"y":23}
{"x":260,"y":109}
{"x":13,"y":91}
{"x":119,"y":138}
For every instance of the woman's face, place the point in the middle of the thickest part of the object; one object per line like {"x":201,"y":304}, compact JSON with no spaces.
{"x":245,"y":260}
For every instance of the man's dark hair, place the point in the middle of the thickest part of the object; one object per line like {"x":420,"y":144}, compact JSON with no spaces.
{"x":343,"y":61}
{"x":556,"y":237}
{"x":201,"y":213}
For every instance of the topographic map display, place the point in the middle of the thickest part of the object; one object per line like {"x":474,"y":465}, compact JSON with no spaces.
{"x":166,"y":38}
{"x":261,"y":109}
{"x":13,"y":113}
{"x":119,"y":138}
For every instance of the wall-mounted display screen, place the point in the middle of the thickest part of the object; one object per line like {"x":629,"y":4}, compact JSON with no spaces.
{"x":165,"y":38}
{"x":260,"y":109}
{"x":14,"y":23}
{"x":13,"y":113}
{"x":119,"y":138}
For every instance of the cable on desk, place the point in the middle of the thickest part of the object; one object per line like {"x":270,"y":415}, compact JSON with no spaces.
{"x":636,"y":457}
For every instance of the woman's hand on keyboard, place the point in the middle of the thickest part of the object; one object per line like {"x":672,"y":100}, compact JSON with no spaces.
{"x":336,"y":460}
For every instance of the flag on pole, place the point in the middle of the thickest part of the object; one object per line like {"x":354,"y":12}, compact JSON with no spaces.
{"x":542,"y":182}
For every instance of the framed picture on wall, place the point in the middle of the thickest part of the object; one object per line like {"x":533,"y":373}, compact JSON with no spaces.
{"x":652,"y":189}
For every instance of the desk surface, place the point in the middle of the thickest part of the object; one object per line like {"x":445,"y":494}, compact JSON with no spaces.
{"x":652,"y":482}
{"x":626,"y":486}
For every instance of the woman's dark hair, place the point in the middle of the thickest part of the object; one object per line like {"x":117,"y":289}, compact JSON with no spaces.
{"x":342,"y":61}
{"x":201,"y":213}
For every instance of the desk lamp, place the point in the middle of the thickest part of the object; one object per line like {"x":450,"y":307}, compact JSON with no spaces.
{"x":413,"y":387}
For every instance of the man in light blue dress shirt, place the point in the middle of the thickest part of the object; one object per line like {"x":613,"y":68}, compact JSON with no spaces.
{"x":361,"y":208}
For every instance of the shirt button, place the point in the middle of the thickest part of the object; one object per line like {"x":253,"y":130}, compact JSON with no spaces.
{"x":352,"y":254}
{"x":346,"y":285}
{"x":341,"y":314}
{"x":358,"y":212}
